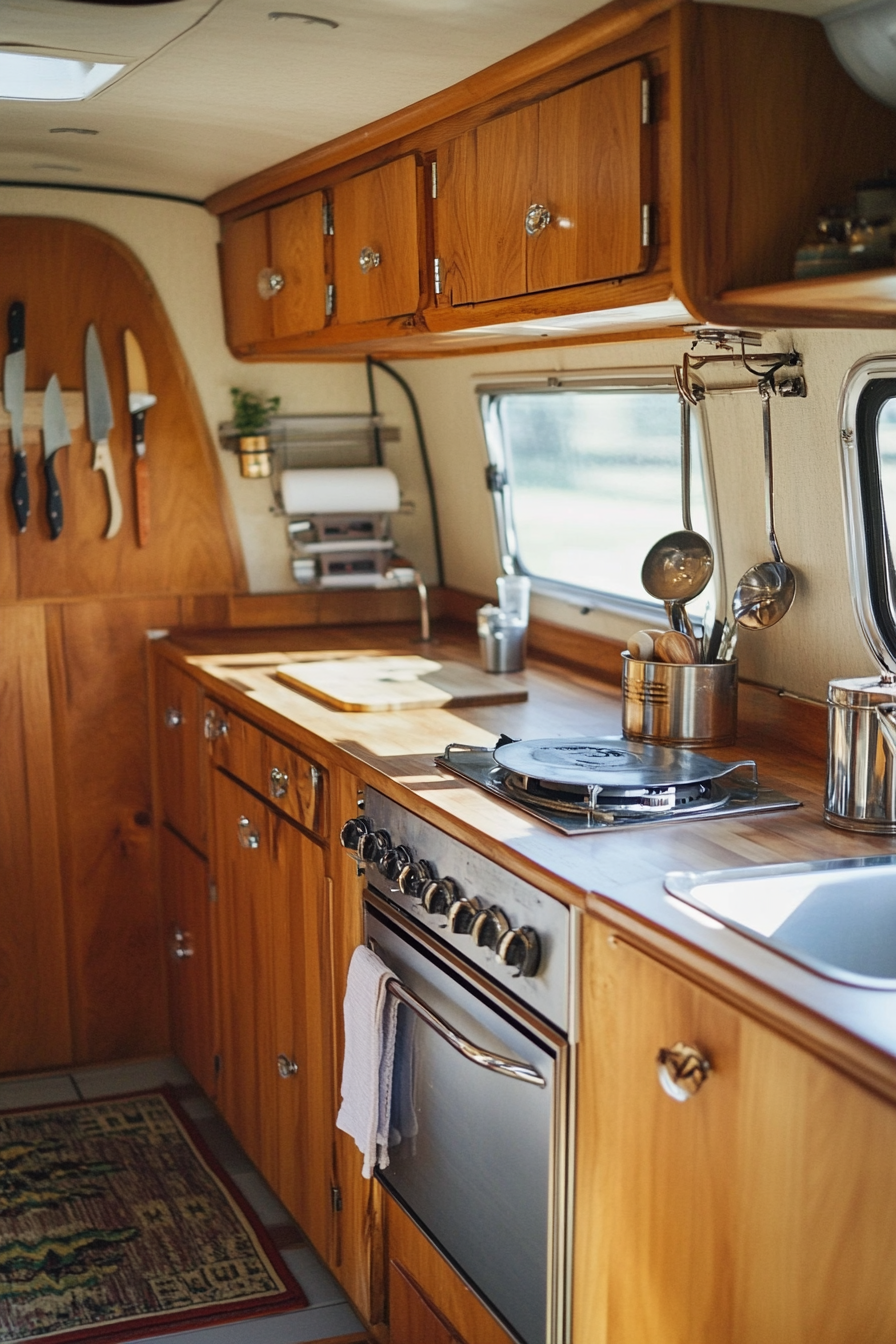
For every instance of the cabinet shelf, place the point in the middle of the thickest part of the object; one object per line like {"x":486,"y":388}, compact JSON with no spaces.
{"x":858,"y":299}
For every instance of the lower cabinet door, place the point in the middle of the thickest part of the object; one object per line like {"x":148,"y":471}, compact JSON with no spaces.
{"x":188,"y":933}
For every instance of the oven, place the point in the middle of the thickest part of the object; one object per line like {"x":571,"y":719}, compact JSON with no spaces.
{"x":480,"y":1152}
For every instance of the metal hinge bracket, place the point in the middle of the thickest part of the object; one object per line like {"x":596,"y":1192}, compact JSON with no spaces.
{"x":495,"y":479}
{"x":212,"y":890}
{"x":327,"y":218}
{"x":434,"y":168}
{"x":336,"y":1198}
{"x":437,"y":274}
{"x":330,"y":301}
{"x":645,"y":102}
{"x":646,"y":225}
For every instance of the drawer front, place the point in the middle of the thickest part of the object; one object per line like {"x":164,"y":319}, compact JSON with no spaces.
{"x":289,"y":780}
{"x":180,"y":755}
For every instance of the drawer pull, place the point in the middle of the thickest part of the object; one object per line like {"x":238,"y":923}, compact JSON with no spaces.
{"x":215,"y":726}
{"x":278,"y":786}
{"x":369,"y":260}
{"x":538,"y":217}
{"x":173,"y":717}
{"x":682,"y":1071}
{"x":247,"y":834}
{"x":270,"y":282}
{"x":286,"y":1067}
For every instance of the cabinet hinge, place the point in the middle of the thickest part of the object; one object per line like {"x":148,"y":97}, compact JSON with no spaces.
{"x":434,"y":167}
{"x":330,"y":301}
{"x":327,"y":218}
{"x":645,"y":102}
{"x":212,"y":890}
{"x":437,"y":274}
{"x":336,"y":1198}
{"x":646,"y":225}
{"x":495,"y":479}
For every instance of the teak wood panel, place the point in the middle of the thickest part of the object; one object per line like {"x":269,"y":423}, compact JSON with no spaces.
{"x":377,"y":210}
{"x":69,"y":275}
{"x":245,"y":250}
{"x":182,"y":770}
{"x":185,"y":893}
{"x":412,"y":1317}
{"x":297,"y":253}
{"x":98,"y":677}
{"x":252,"y":755}
{"x":34,"y":997}
{"x":764,"y":1208}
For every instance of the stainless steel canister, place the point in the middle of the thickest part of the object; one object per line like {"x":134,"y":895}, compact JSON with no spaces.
{"x":679,"y":704}
{"x":861,"y":781}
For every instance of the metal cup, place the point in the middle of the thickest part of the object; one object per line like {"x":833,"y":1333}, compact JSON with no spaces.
{"x":502,"y":640}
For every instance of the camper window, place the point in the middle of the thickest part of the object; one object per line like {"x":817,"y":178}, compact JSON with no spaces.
{"x":868,"y":435}
{"x":585,"y":479}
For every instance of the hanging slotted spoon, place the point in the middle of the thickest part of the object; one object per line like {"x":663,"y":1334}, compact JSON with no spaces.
{"x":765,"y":593}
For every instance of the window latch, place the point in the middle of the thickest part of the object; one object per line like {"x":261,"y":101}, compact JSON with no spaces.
{"x":495,"y":479}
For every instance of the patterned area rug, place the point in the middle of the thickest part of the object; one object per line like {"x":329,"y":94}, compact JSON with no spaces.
{"x":116,"y":1222}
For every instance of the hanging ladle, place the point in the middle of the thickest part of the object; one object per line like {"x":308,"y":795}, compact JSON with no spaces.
{"x":765,"y":593}
{"x":679,"y":566}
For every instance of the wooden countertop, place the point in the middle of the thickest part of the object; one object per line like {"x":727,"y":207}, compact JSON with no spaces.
{"x":616,"y":875}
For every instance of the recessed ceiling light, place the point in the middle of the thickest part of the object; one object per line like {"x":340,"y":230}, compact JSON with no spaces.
{"x":71,"y":130}
{"x":29,"y":78}
{"x":306,"y":18}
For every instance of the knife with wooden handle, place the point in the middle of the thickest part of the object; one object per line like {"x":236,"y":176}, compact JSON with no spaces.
{"x":100,"y":419}
{"x":139,"y":401}
{"x":14,"y":400}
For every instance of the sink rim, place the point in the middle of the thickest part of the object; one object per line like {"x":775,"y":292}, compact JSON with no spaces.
{"x":681,"y":884}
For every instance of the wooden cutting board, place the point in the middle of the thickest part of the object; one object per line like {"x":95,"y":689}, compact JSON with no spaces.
{"x":368,"y":684}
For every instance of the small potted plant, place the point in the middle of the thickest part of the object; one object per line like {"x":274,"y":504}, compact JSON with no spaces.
{"x":251,"y":417}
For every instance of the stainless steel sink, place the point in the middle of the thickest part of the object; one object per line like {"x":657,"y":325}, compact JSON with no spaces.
{"x":836,"y":916}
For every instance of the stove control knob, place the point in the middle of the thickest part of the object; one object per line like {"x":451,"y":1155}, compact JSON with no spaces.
{"x":439,"y":896}
{"x":462,"y":914}
{"x":489,"y":927}
{"x":353,"y":832}
{"x":374,"y":845}
{"x":393,"y":862}
{"x":521,"y":949}
{"x":414,"y":877}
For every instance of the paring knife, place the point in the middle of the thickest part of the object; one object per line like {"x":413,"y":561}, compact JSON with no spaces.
{"x":101,"y":420}
{"x":56,"y":436}
{"x":139,"y":401}
{"x":14,"y":400}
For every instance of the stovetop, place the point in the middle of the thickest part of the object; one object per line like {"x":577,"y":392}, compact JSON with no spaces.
{"x":581,"y":786}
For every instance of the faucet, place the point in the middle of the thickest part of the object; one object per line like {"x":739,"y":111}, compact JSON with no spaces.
{"x":404,"y":576}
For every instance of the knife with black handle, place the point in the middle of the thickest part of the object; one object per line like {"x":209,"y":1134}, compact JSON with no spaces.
{"x":14,"y":397}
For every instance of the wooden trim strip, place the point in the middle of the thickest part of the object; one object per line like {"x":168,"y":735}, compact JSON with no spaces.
{"x":615,"y":20}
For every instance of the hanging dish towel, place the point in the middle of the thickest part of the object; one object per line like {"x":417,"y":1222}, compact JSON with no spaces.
{"x":370,"y":1017}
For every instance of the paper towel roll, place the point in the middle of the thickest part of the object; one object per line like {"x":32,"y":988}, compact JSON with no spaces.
{"x":340,"y":490}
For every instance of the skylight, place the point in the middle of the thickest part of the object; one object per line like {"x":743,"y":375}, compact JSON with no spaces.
{"x":30,"y":78}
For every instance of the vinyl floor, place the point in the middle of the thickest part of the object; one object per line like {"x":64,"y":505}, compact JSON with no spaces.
{"x":328,"y":1317}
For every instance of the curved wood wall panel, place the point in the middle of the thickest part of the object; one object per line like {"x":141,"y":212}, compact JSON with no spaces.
{"x":68,"y":275}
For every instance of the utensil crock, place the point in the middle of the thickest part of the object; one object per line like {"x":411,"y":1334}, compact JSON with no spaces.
{"x":679,"y":704}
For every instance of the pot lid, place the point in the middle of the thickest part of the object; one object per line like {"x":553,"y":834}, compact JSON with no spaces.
{"x":863,"y":692}
{"x":607,"y":762}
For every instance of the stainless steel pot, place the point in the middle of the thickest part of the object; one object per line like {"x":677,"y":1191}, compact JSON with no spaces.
{"x":861,"y":779}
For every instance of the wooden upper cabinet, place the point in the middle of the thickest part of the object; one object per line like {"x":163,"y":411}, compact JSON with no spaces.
{"x":244,"y":252}
{"x":548,"y":196}
{"x":297,"y":254}
{"x":375,"y":237}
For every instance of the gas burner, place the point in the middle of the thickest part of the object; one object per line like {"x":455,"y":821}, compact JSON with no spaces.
{"x":579,"y":785}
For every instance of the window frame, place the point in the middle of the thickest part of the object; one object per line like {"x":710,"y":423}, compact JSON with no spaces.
{"x":872,"y":566}
{"x":661,"y":379}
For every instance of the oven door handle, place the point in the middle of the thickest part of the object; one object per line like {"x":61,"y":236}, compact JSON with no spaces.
{"x":510,"y":1068}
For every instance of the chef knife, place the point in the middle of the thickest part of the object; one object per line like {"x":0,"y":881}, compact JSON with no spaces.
{"x":101,"y":420}
{"x":56,"y":436}
{"x":14,"y":400}
{"x":139,"y":401}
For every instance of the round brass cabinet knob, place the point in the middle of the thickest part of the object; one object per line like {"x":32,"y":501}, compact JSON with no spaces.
{"x":369,"y":260}
{"x":538,"y":217}
{"x":269,"y":283}
{"x":682,"y":1071}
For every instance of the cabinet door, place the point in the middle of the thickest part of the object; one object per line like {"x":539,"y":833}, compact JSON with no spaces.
{"x":245,"y":252}
{"x":581,"y":157}
{"x":375,"y":238}
{"x":297,"y":253}
{"x":185,"y":890}
{"x":763,"y":1209}
{"x":242,"y":873}
{"x":181,"y":753}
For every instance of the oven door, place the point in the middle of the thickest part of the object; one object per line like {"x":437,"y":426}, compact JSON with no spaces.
{"x":477,"y":1151}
